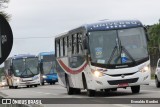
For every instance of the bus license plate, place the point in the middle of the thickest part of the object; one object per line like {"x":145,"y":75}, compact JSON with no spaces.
{"x":123,"y":85}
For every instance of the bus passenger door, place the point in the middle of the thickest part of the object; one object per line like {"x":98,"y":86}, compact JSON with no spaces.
{"x":76,"y":62}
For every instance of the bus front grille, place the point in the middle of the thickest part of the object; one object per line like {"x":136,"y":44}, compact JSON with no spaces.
{"x":116,"y":82}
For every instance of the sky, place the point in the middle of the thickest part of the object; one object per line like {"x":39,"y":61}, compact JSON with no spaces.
{"x":48,"y":18}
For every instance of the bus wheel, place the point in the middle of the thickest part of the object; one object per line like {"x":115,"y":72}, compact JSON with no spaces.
{"x":27,"y":86}
{"x":10,"y":87}
{"x":42,"y":83}
{"x":35,"y":85}
{"x":114,"y":89}
{"x":107,"y":90}
{"x":69,"y":89}
{"x":50,"y":83}
{"x":135,"y":89}
{"x":53,"y":83}
{"x":91,"y":93}
{"x":15,"y":87}
{"x":77,"y":91}
{"x":157,"y":82}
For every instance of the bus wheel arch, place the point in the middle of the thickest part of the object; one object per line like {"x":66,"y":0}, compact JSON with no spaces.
{"x":84,"y":81}
{"x":90,"y":92}
{"x":157,"y":82}
{"x":70,"y":90}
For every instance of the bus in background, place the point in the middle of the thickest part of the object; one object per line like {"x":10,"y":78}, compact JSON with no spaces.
{"x":47,"y":67}
{"x":3,"y":81}
{"x":103,"y":56}
{"x":22,"y":70}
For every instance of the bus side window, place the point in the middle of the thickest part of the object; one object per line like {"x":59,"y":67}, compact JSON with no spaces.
{"x":61,"y":47}
{"x":65,"y":46}
{"x":69,"y":45}
{"x":57,"y":48}
{"x":80,"y":43}
{"x":74,"y":50}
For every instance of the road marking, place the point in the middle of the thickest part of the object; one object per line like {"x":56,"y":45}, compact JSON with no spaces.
{"x":43,"y":93}
{"x":47,"y":93}
{"x":121,"y":105}
{"x":39,"y":92}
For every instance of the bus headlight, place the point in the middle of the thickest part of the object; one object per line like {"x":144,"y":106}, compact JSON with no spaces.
{"x":3,"y":83}
{"x":97,"y":73}
{"x":17,"y":79}
{"x":145,"y":69}
{"x":44,"y":76}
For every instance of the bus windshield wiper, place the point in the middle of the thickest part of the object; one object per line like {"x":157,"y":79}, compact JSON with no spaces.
{"x":114,"y":50}
{"x":30,"y":71}
{"x":23,"y":71}
{"x":123,"y":48}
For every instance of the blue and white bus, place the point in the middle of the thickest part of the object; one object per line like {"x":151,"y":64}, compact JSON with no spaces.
{"x":47,"y":67}
{"x":22,"y":70}
{"x":103,"y":56}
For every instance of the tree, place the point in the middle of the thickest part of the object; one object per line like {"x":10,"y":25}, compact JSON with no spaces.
{"x":154,"y":44}
{"x":2,"y":6}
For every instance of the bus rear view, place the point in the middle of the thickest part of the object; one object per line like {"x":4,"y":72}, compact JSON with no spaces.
{"x":115,"y":54}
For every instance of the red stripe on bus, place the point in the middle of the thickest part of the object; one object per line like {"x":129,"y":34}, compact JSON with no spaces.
{"x":70,"y":70}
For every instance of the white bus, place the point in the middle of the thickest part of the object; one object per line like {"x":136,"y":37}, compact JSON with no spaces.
{"x":103,"y":56}
{"x":22,"y":70}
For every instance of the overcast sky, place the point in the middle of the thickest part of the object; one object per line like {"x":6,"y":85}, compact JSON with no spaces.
{"x":43,"y":18}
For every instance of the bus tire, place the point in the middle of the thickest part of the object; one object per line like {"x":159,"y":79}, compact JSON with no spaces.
{"x":157,"y":82}
{"x":27,"y":86}
{"x":35,"y":85}
{"x":53,"y":83}
{"x":15,"y":87}
{"x":91,"y":93}
{"x":42,"y":83}
{"x":77,"y":91}
{"x":114,"y":89}
{"x":10,"y":87}
{"x":70,"y":90}
{"x":107,"y":90}
{"x":135,"y":89}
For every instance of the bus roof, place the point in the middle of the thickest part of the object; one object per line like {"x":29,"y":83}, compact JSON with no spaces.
{"x":47,"y":53}
{"x":113,"y":24}
{"x":23,"y":56}
{"x":105,"y":25}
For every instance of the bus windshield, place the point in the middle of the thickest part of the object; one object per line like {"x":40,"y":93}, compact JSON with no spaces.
{"x":48,"y":67}
{"x":118,"y":46}
{"x":48,"y":64}
{"x":25,"y":67}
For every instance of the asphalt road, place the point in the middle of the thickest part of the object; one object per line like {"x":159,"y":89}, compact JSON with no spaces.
{"x":57,"y":91}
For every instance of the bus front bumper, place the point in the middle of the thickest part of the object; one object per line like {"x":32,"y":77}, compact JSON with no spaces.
{"x":108,"y":82}
{"x":25,"y":83}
